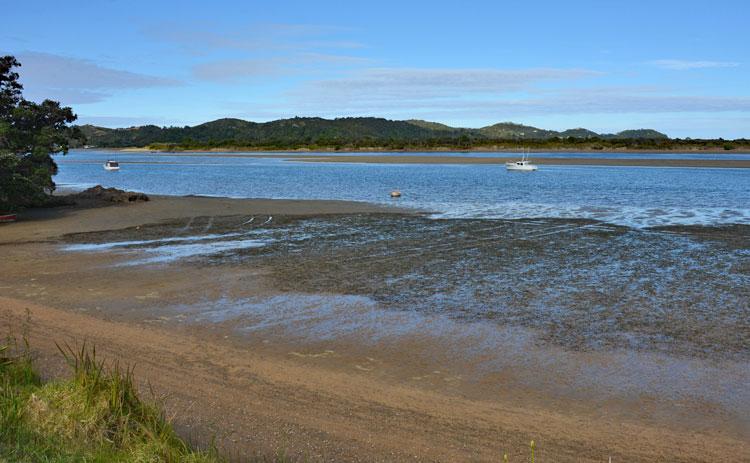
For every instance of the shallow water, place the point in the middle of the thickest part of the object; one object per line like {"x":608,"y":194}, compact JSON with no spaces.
{"x":630,"y":196}
{"x":569,"y":309}
{"x":582,"y":285}
{"x":169,"y":249}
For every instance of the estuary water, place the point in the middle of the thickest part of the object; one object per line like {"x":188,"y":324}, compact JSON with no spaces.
{"x":579,"y":298}
{"x":637,"y":197}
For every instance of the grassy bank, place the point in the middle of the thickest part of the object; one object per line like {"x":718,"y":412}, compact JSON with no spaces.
{"x":94,"y":416}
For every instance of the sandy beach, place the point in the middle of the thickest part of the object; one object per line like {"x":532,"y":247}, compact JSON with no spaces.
{"x":300,"y":380}
{"x":44,"y":224}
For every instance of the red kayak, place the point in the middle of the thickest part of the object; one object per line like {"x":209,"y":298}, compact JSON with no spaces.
{"x":8,"y":218}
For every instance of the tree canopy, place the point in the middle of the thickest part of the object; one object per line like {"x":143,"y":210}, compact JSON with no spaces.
{"x":345,"y":132}
{"x":29,"y":134}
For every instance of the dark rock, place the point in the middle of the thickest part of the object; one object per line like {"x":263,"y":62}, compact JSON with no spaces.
{"x":108,"y":195}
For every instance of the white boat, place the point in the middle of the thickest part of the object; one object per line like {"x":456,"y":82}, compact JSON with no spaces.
{"x":111,"y":165}
{"x":524,"y":165}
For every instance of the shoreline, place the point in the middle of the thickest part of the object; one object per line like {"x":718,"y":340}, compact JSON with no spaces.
{"x":41,"y":224}
{"x":434,"y":150}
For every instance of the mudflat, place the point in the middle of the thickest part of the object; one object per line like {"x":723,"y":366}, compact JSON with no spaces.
{"x":46,"y":223}
{"x":282,"y":325}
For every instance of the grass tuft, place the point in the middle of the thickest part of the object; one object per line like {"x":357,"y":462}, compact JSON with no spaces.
{"x":96,"y":416}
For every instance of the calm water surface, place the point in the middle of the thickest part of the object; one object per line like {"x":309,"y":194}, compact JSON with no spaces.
{"x":632,"y":196}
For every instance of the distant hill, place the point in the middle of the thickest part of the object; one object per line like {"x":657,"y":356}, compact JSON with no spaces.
{"x":315,"y":131}
{"x":640,"y":133}
{"x":430,"y":125}
{"x":512,"y":131}
{"x":579,"y":133}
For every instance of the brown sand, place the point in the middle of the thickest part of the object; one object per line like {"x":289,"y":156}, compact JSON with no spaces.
{"x":254,"y":402}
{"x":313,"y":402}
{"x":42,"y":224}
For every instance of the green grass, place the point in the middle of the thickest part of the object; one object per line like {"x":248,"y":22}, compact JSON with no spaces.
{"x":95,"y":416}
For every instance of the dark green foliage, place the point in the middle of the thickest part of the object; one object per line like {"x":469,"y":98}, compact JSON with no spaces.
{"x":511,"y":131}
{"x":282,"y":133}
{"x":349,"y":133}
{"x":640,"y":133}
{"x":578,"y":133}
{"x":10,"y":89}
{"x":29,"y":134}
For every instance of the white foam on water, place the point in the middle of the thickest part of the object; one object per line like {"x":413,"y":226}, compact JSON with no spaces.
{"x":629,"y":216}
{"x":164,"y":250}
{"x":170,"y":253}
{"x":122,"y":244}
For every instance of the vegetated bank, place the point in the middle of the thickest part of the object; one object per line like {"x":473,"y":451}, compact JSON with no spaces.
{"x":369,"y":133}
{"x":97,"y":415}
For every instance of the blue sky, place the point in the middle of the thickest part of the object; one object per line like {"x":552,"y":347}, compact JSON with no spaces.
{"x":682,"y":67}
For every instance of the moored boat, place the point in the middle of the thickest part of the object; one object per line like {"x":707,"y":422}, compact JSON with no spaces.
{"x":523,"y":165}
{"x":111,"y":165}
{"x":7,"y":218}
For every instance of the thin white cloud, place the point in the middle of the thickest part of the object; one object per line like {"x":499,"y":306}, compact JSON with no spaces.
{"x":14,"y":38}
{"x":327,"y":58}
{"x":405,"y":84}
{"x":242,"y":70}
{"x":684,"y":65}
{"x":228,"y":71}
{"x":75,"y":80}
{"x":493,"y":93}
{"x":202,"y":39}
{"x":502,"y":107}
{"x":601,"y":104}
{"x":297,"y":29}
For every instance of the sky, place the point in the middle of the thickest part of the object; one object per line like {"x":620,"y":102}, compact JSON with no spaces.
{"x":681,"y":67}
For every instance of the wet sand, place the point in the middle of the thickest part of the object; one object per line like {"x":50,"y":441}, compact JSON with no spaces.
{"x":43,"y":224}
{"x":292,"y":345}
{"x":256,"y":401}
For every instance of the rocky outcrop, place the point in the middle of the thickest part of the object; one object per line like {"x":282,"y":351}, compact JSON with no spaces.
{"x":99,"y":194}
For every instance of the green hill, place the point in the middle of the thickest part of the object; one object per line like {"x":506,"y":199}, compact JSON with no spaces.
{"x":312,"y":132}
{"x":430,"y":125}
{"x":579,"y":133}
{"x":512,"y":131}
{"x":648,"y":134}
